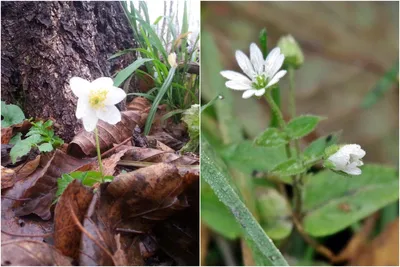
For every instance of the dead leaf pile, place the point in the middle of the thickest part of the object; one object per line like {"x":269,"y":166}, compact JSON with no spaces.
{"x":145,"y":216}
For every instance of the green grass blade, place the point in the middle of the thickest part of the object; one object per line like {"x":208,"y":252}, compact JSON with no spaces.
{"x":125,"y":73}
{"x":157,"y":100}
{"x":143,"y":5}
{"x":153,"y":38}
{"x":217,"y":178}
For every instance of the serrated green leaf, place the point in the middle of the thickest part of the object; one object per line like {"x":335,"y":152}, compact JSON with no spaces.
{"x":216,"y":215}
{"x":274,"y":212}
{"x":217,"y":177}
{"x":20,"y":149}
{"x":12,"y":114}
{"x":125,"y":73}
{"x":289,"y":168}
{"x":48,"y":123}
{"x":333,"y":202}
{"x":302,"y":125}
{"x":271,"y":137}
{"x":45,"y":147}
{"x":15,"y":139}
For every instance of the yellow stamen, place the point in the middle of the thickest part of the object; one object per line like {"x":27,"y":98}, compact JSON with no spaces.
{"x":97,"y":98}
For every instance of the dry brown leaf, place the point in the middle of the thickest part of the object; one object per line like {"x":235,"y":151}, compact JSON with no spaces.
{"x":167,"y":139}
{"x":39,"y":188}
{"x":67,"y":235}
{"x":6,"y":135}
{"x":382,"y":251}
{"x":8,"y":177}
{"x":154,"y":155}
{"x":84,"y":143}
{"x":26,"y":169}
{"x":31,"y":253}
{"x":139,"y":104}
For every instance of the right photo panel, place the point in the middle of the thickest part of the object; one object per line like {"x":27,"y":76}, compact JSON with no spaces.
{"x":299,"y":133}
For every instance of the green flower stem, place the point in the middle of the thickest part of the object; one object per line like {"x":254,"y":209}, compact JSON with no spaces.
{"x":278,"y":114}
{"x":96,"y":133}
{"x":275,"y":109}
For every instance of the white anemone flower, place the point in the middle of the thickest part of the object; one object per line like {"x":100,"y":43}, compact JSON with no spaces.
{"x":96,"y":100}
{"x":348,"y":158}
{"x":260,"y":73}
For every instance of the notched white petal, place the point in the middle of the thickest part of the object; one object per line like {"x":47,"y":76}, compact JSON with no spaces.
{"x":245,"y":64}
{"x":235,"y":76}
{"x":236,"y":85}
{"x":248,"y":94}
{"x":276,"y":78}
{"x":256,"y":58}
{"x":260,"y":92}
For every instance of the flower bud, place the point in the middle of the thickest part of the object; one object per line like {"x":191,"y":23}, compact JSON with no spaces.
{"x":172,"y":60}
{"x":345,"y":159}
{"x":290,"y":48}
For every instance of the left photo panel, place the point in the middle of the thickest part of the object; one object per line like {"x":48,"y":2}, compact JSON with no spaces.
{"x":100,"y":133}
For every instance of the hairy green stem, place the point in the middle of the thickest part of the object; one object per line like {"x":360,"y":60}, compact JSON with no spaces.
{"x":292,"y":104}
{"x":96,"y":133}
{"x":275,"y":109}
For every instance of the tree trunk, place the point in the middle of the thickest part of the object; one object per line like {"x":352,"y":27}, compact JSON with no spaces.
{"x":44,"y":44}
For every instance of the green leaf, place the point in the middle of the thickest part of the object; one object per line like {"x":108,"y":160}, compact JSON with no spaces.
{"x":20,"y":149}
{"x":12,"y":114}
{"x":333,"y":202}
{"x":302,"y":125}
{"x":15,"y":139}
{"x":247,"y":157}
{"x":217,"y":177}
{"x":216,"y":215}
{"x":275,"y":213}
{"x":317,"y":147}
{"x":125,"y":73}
{"x":192,"y":120}
{"x":47,"y":124}
{"x":289,"y":168}
{"x":271,"y":137}
{"x":122,"y":52}
{"x":45,"y":147}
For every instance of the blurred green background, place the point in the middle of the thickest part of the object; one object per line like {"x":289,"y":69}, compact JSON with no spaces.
{"x":348,"y":47}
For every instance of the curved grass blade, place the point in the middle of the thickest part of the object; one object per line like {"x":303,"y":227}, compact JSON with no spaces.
{"x":158,"y":99}
{"x":125,"y":73}
{"x":216,"y":177}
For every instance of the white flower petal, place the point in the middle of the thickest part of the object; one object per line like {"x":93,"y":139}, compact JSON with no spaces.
{"x":256,"y":58}
{"x":276,"y":66}
{"x":270,"y":60}
{"x":236,"y":85}
{"x":80,"y":87}
{"x":276,"y":78}
{"x":340,"y":160}
{"x":109,"y":114}
{"x":114,"y":96}
{"x":90,"y":120}
{"x":353,"y":171}
{"x":248,"y":94}
{"x":82,"y":106}
{"x":234,"y":76}
{"x":101,"y":83}
{"x":260,"y":92}
{"x":245,"y":64}
{"x":355,"y":150}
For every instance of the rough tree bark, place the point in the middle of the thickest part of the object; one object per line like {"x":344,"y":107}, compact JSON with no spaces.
{"x":44,"y":44}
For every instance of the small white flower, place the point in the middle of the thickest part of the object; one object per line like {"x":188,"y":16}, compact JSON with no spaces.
{"x":348,"y":158}
{"x":172,"y":60}
{"x":96,"y":100}
{"x":261,"y":73}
